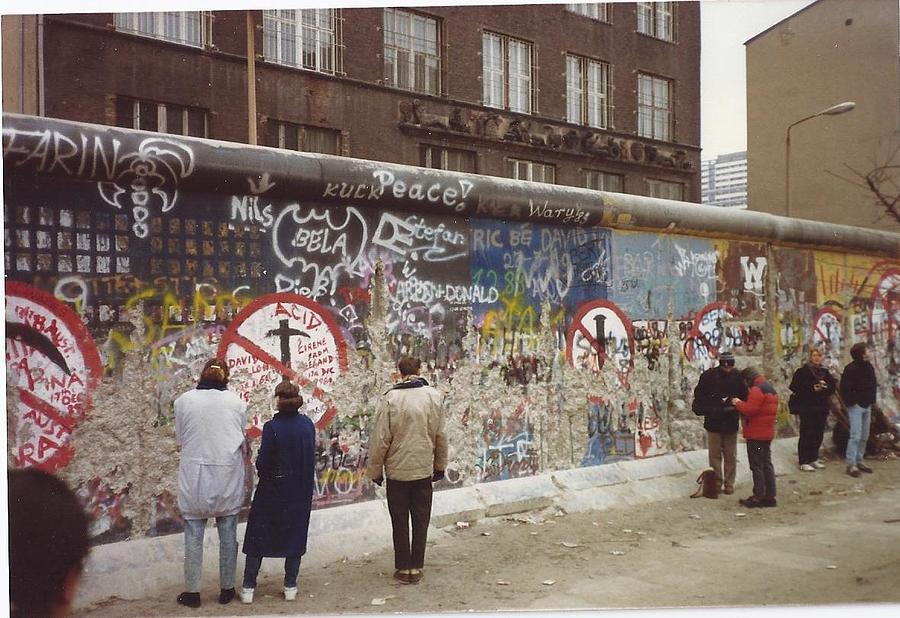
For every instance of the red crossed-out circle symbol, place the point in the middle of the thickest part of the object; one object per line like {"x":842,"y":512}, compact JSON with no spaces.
{"x":289,"y":335}
{"x":53,"y":365}
{"x":599,"y":331}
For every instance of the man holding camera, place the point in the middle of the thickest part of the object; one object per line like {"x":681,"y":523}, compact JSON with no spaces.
{"x":712,"y":400}
{"x":408,"y":446}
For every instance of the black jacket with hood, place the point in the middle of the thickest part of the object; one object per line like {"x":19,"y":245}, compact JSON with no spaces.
{"x":714,"y":386}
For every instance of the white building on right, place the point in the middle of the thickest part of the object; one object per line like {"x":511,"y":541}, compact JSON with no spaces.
{"x":724,"y":180}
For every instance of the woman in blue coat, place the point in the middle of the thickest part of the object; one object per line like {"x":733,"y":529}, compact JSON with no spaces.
{"x":278,"y":523}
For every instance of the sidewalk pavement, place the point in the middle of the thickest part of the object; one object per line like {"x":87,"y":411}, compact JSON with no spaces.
{"x":141,"y":568}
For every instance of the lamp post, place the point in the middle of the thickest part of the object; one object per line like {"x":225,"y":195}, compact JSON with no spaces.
{"x":834,"y":110}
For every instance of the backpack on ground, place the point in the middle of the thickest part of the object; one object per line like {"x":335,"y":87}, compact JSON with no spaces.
{"x":708,"y":486}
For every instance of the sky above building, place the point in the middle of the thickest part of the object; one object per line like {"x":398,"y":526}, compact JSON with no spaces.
{"x":725,"y":26}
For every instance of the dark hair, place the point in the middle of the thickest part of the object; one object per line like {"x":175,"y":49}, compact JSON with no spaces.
{"x":48,"y":540}
{"x":749,"y":374}
{"x":409,"y":365}
{"x":215,"y":371}
{"x":857,"y":351}
{"x":288,"y":395}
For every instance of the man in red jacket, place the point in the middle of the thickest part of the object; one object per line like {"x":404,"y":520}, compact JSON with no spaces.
{"x":758,"y":416}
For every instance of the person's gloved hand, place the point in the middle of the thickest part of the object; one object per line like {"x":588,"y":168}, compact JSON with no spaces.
{"x":378,"y":481}
{"x":438,"y":475}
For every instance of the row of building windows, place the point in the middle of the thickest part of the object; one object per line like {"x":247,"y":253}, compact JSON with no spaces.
{"x":309,"y":39}
{"x":168,"y":118}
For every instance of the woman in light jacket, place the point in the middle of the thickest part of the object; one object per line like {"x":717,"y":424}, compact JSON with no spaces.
{"x":758,"y":415}
{"x":209,"y":429}
{"x":278,"y":523}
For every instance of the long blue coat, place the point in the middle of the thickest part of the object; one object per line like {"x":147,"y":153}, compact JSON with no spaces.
{"x":278,"y":523}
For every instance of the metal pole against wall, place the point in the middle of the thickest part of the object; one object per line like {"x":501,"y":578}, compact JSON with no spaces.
{"x":787,"y":173}
{"x":834,"y":110}
{"x":251,"y":80}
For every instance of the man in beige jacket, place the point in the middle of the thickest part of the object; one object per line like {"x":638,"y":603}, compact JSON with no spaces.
{"x":408,"y":446}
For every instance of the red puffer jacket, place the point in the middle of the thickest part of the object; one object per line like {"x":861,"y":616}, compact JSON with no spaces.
{"x":759,"y":411}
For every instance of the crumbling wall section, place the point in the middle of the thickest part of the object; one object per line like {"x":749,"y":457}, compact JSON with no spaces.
{"x":558,"y":339}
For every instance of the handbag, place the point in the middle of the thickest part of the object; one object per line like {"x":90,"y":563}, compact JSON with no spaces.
{"x":708,"y":485}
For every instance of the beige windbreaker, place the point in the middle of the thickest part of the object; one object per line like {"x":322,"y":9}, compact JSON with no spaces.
{"x":408,"y":440}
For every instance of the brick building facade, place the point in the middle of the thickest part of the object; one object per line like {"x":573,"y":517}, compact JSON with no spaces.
{"x":602,"y":96}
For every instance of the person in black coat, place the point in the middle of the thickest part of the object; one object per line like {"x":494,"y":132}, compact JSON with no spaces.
{"x":712,"y":400}
{"x":812,"y":385}
{"x":278,"y":524}
{"x":858,"y":390}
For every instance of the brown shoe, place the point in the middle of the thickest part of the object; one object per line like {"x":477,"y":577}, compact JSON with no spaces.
{"x":415,"y":576}
{"x":402,"y":575}
{"x":728,"y":490}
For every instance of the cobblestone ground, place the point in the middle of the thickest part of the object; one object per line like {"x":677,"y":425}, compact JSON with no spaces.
{"x":832,"y":539}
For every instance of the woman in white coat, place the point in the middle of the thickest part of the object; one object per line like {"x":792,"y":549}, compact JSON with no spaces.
{"x":209,"y":429}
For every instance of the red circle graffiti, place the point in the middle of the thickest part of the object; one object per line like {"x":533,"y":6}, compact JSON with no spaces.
{"x":829,"y":310}
{"x":66,"y":417}
{"x":576,"y":327}
{"x":231,"y":336}
{"x":697,"y":335}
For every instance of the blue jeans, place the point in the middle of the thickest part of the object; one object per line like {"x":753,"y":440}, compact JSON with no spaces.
{"x":251,"y":570}
{"x":860,"y":418}
{"x":193,"y":551}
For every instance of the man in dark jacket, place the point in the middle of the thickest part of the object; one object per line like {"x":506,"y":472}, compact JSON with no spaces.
{"x":858,"y":388}
{"x":712,"y":400}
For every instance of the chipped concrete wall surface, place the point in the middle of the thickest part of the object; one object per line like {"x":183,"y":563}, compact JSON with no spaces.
{"x":565,"y":328}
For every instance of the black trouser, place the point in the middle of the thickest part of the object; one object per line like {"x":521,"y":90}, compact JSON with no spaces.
{"x":812,"y":428}
{"x":759,"y":454}
{"x":409,"y":499}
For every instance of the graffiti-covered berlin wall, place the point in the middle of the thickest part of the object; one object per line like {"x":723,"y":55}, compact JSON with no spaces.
{"x":566,"y":327}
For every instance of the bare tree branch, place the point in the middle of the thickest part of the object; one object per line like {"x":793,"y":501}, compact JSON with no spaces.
{"x":882,"y":182}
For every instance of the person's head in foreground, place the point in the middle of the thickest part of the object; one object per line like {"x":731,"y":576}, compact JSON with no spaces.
{"x":48,"y":543}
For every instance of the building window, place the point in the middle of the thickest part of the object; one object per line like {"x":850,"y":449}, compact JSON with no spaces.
{"x":664,"y":189}
{"x":412,"y":58}
{"x":654,"y":107}
{"x":520,"y":169}
{"x":161,"y":117}
{"x":603,"y":181}
{"x":302,"y":138}
{"x":595,"y":10}
{"x":656,"y":19}
{"x":588,"y":92}
{"x":451,"y":159}
{"x":508,"y":72}
{"x":185,"y":27}
{"x":302,"y":38}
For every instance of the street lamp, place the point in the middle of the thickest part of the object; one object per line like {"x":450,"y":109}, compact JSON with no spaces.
{"x":834,"y":110}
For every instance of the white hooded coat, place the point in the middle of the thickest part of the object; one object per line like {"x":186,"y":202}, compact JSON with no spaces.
{"x":209,"y":427}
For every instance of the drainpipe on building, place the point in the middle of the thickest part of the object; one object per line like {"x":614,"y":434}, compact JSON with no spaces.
{"x":22,"y":65}
{"x":251,"y":80}
{"x":40,"y":62}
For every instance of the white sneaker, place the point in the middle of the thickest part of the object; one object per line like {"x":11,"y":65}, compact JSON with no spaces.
{"x":807,"y":468}
{"x":818,"y":464}
{"x":247,"y":595}
{"x":290,"y":593}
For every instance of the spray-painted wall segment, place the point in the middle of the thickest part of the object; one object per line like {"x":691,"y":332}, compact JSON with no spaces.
{"x":557,"y":345}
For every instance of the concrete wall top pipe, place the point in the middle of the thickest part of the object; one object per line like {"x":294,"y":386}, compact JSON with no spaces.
{"x":170,"y":164}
